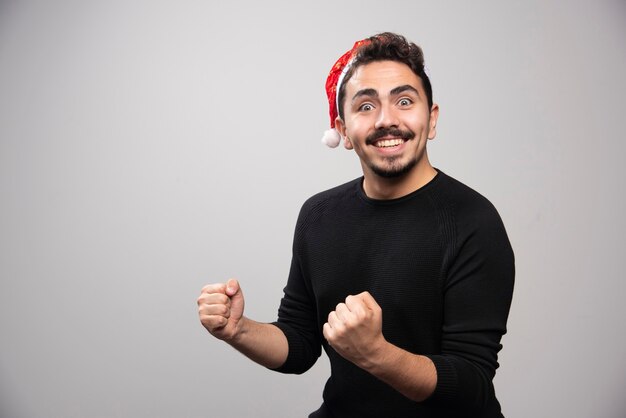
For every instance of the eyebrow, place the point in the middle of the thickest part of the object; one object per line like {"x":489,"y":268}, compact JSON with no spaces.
{"x":394,"y":92}
{"x":365,"y":92}
{"x":402,"y":89}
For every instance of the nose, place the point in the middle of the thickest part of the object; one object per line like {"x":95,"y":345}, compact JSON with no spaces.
{"x":387,"y":117}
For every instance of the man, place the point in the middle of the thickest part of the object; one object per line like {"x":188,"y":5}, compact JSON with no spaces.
{"x":403,"y":276}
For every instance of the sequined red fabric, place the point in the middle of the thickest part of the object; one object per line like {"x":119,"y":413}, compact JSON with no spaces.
{"x":333,"y":78}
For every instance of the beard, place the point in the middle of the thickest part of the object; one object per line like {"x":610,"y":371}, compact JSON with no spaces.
{"x":392,"y":167}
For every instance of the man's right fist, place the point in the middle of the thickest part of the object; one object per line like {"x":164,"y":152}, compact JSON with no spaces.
{"x":220,"y":307}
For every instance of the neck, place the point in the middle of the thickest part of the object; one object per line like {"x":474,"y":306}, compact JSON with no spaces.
{"x":382,"y":188}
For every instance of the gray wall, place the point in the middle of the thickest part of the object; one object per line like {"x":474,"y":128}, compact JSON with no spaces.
{"x":150,"y":147}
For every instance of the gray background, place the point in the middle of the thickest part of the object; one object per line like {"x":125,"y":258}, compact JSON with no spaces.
{"x":150,"y":147}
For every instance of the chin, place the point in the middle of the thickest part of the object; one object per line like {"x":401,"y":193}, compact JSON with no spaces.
{"x":393,"y":170}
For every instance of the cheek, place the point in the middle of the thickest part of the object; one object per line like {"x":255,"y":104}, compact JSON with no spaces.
{"x":360,"y":124}
{"x":420,"y":125}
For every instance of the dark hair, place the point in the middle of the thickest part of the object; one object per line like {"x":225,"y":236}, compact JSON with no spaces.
{"x":387,"y":46}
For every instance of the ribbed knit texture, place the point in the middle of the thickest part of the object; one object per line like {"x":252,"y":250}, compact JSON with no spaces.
{"x":437,"y":261}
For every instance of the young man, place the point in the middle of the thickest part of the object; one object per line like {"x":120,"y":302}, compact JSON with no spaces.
{"x":404,"y":276}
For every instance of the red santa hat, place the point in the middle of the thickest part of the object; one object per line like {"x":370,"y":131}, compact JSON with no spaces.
{"x":333,"y":82}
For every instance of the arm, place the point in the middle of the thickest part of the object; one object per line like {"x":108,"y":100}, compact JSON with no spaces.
{"x":292,"y":344}
{"x":297,"y":319}
{"x":477,"y":295}
{"x":220,"y":307}
{"x":354,"y":330}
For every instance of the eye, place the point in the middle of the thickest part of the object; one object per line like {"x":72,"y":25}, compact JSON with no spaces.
{"x":366,"y":107}
{"x":405,"y":102}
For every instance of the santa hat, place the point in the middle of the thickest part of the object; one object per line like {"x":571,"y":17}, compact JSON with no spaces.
{"x":333,"y":83}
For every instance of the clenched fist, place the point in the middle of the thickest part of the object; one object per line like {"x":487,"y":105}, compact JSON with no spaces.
{"x":220,"y":307}
{"x":354,"y":329}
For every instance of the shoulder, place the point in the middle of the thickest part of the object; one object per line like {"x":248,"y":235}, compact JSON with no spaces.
{"x":322,"y":200}
{"x":465,"y":204}
{"x":475,"y":231}
{"x":328,"y":201}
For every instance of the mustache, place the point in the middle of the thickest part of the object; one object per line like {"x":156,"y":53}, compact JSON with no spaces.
{"x":383,"y":132}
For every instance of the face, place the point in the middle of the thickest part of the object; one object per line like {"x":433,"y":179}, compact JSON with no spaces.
{"x":387,"y":119}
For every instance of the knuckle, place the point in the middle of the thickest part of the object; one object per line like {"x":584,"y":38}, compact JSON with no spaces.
{"x":213,"y":288}
{"x":205,"y":320}
{"x":208,"y":288}
{"x":340,"y":328}
{"x":328,"y":332}
{"x":213,"y":322}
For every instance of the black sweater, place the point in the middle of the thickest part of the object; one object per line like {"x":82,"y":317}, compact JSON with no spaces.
{"x":437,"y":261}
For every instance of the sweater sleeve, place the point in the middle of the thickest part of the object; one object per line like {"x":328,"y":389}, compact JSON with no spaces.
{"x":477,"y":297}
{"x":297,"y":315}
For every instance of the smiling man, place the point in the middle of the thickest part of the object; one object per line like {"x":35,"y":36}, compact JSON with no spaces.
{"x":403,"y":276}
{"x":388,"y":121}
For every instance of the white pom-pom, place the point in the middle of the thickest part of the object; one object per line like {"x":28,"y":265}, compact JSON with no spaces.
{"x":331,"y":138}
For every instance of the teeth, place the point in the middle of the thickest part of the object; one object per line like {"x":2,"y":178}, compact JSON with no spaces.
{"x":389,"y":143}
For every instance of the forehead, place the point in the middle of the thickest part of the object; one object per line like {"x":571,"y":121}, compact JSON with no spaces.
{"x":383,"y":76}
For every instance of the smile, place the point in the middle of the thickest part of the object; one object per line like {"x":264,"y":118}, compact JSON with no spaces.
{"x":388,"y":143}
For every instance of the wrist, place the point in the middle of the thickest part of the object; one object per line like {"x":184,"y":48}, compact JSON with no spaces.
{"x":378,"y":357}
{"x":413,"y":375}
{"x":239,"y":331}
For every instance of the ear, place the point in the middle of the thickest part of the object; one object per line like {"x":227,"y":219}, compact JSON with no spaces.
{"x":341,"y":128}
{"x":432,"y":123}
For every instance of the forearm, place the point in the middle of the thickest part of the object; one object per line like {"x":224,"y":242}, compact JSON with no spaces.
{"x":263,"y":343}
{"x":412,"y":375}
{"x":354,"y":331}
